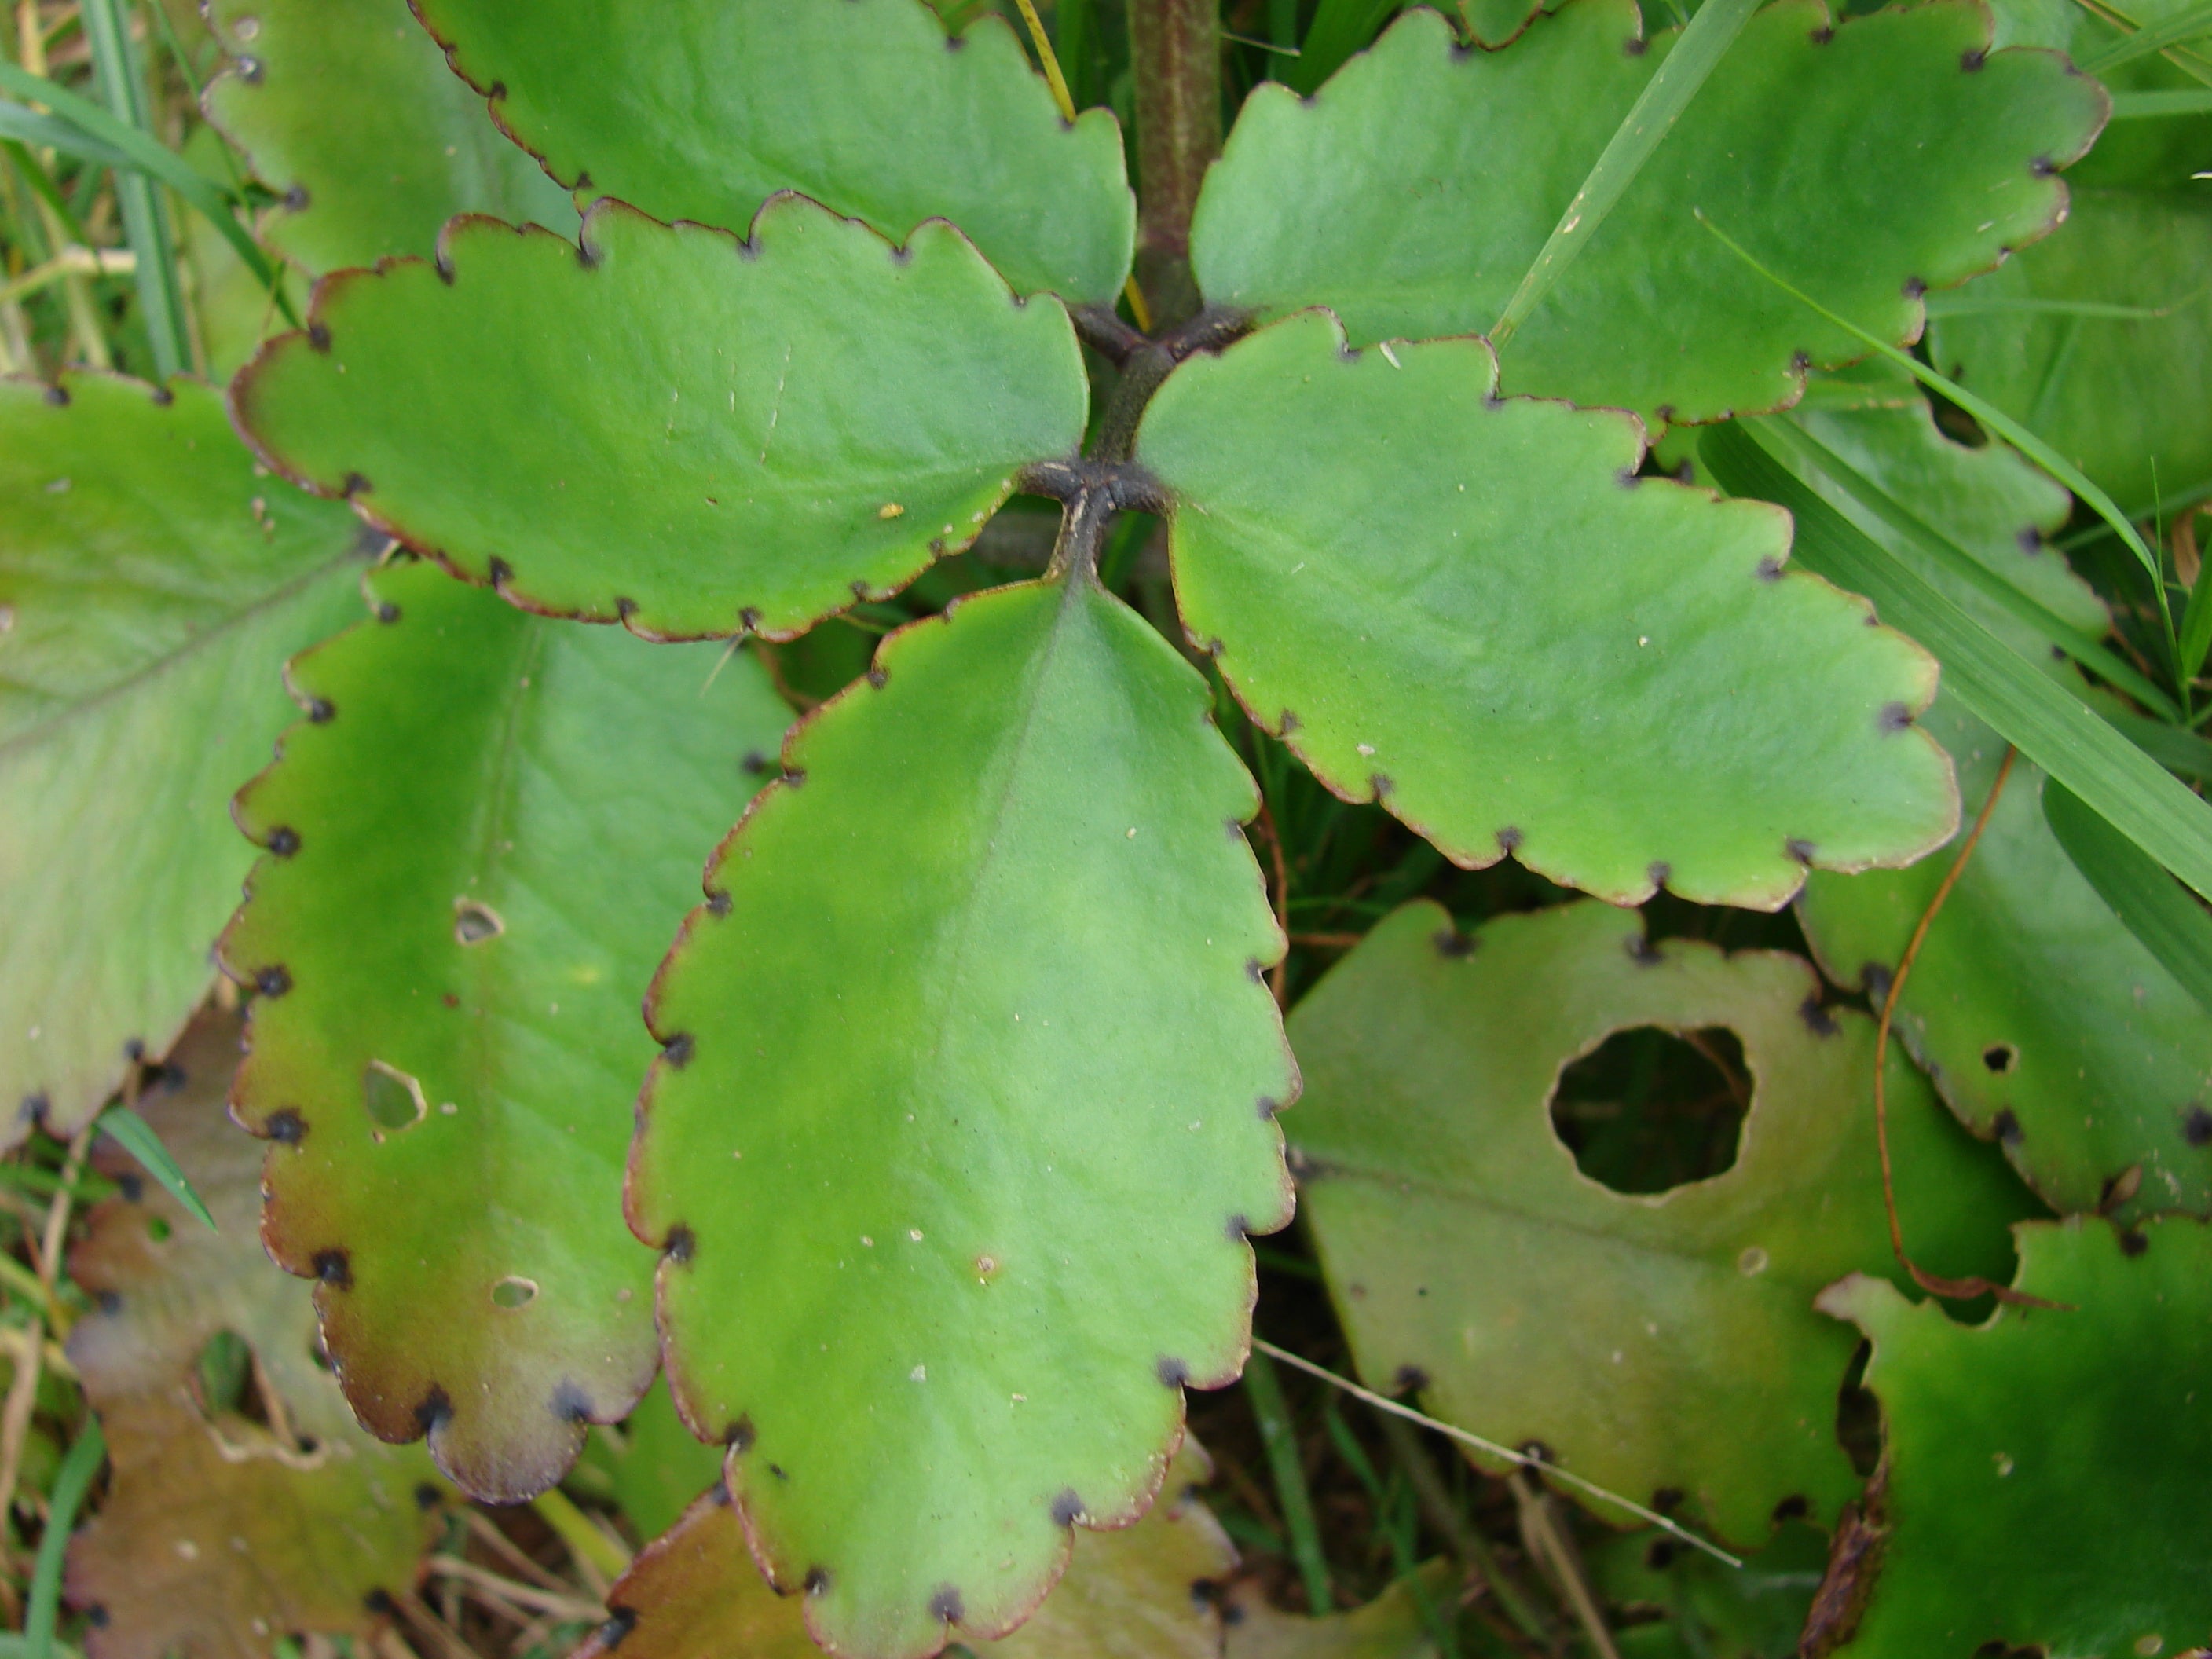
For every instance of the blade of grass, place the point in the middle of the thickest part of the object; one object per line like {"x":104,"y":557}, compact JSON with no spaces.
{"x":1941,"y":550}
{"x":71,"y":1485}
{"x":1971,"y":304}
{"x":2196,"y":625}
{"x":1658,"y":108}
{"x":2184,"y":26}
{"x":2169,"y":745}
{"x":1448,"y":1519}
{"x":155,"y":162}
{"x":2167,"y":922}
{"x":49,"y":132}
{"x":1493,"y":1449}
{"x":137,"y":1137}
{"x":122,"y":83}
{"x":2027,"y":708}
{"x":1988,"y":414}
{"x":1264,"y":1390}
{"x":2152,"y":106}
{"x":1339,"y":28}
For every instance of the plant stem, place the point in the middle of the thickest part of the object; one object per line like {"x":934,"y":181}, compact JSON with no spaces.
{"x":1264,"y":1390}
{"x":1174,"y":54}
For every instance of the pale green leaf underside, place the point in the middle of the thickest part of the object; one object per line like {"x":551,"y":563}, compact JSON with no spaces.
{"x":347,"y":109}
{"x":696,"y":435}
{"x":2043,"y":1472}
{"x":480,"y":841}
{"x":703,"y":109}
{"x":1647,"y":1342}
{"x":2044,"y":1024}
{"x":151,"y":587}
{"x":1412,"y":195}
{"x":968,"y":1111}
{"x":1465,"y":607}
{"x":1126,"y":1594}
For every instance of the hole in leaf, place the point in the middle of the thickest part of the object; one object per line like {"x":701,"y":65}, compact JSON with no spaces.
{"x":1648,"y":1109}
{"x":2000,"y":1057}
{"x":221,"y":1374}
{"x":158,"y":1229}
{"x":393,"y":1098}
{"x":475,"y":922}
{"x":513,"y":1291}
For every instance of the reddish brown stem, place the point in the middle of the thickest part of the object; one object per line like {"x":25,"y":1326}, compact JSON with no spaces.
{"x":1175,"y":55}
{"x":1951,"y":1290}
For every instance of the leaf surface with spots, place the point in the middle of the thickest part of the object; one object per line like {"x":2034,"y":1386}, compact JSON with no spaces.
{"x":965,"y":1111}
{"x":345,"y":108}
{"x":220,"y":1530}
{"x":478,"y":844}
{"x":151,"y":587}
{"x":703,"y":109}
{"x":1865,"y":160}
{"x":692,"y":434}
{"x":1469,"y":1257}
{"x":1401,"y":573}
{"x":2042,"y":1483}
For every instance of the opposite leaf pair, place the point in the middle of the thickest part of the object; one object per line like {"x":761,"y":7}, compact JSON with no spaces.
{"x":963,"y":1111}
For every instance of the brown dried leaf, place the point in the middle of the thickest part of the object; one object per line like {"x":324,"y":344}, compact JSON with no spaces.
{"x":221,"y":1533}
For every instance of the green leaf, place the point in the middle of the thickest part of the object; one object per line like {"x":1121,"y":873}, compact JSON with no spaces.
{"x":703,"y":109}
{"x":2042,"y":1485}
{"x":219,"y":1527}
{"x":1649,"y":1342}
{"x":346,"y":109}
{"x":2053,"y":729}
{"x":151,"y":587}
{"x":137,"y":1137}
{"x":2044,"y":1024}
{"x":693,"y":434}
{"x":2169,"y":924}
{"x":1387,"y":199}
{"x":966,"y":1112}
{"x":1396,"y":568}
{"x":1681,"y":74}
{"x":2121,"y":397}
{"x":478,"y":844}
{"x":1128,"y":1593}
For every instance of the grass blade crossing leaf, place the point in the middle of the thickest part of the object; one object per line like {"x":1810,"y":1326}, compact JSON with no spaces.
{"x":137,"y":1137}
{"x":2055,"y":730}
{"x":1651,"y":118}
{"x":2170,"y":924}
{"x":2183,"y":26}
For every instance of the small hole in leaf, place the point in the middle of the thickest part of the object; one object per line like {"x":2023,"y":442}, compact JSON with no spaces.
{"x":157,"y":1229}
{"x":2000,"y":1057}
{"x":393,"y":1098}
{"x":1649,"y":1110}
{"x":475,"y":922}
{"x":222,"y":1377}
{"x":513,"y":1291}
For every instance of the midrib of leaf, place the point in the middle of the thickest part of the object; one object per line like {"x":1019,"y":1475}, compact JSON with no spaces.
{"x":158,"y":666}
{"x":1649,"y":120}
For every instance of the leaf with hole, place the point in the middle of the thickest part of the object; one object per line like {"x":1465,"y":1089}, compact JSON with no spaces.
{"x":1385,"y":199}
{"x":2033,"y":1494}
{"x":2044,"y":1023}
{"x":1140,"y":1593}
{"x":964,"y":1113}
{"x":477,"y":843}
{"x":1473,"y":609}
{"x":1663,"y":1346}
{"x":219,"y":1527}
{"x":690,"y":433}
{"x":703,"y":109}
{"x":346,"y":109}
{"x":151,"y":587}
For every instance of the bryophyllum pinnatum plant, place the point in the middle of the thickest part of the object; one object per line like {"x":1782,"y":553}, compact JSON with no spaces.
{"x":752,"y":330}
